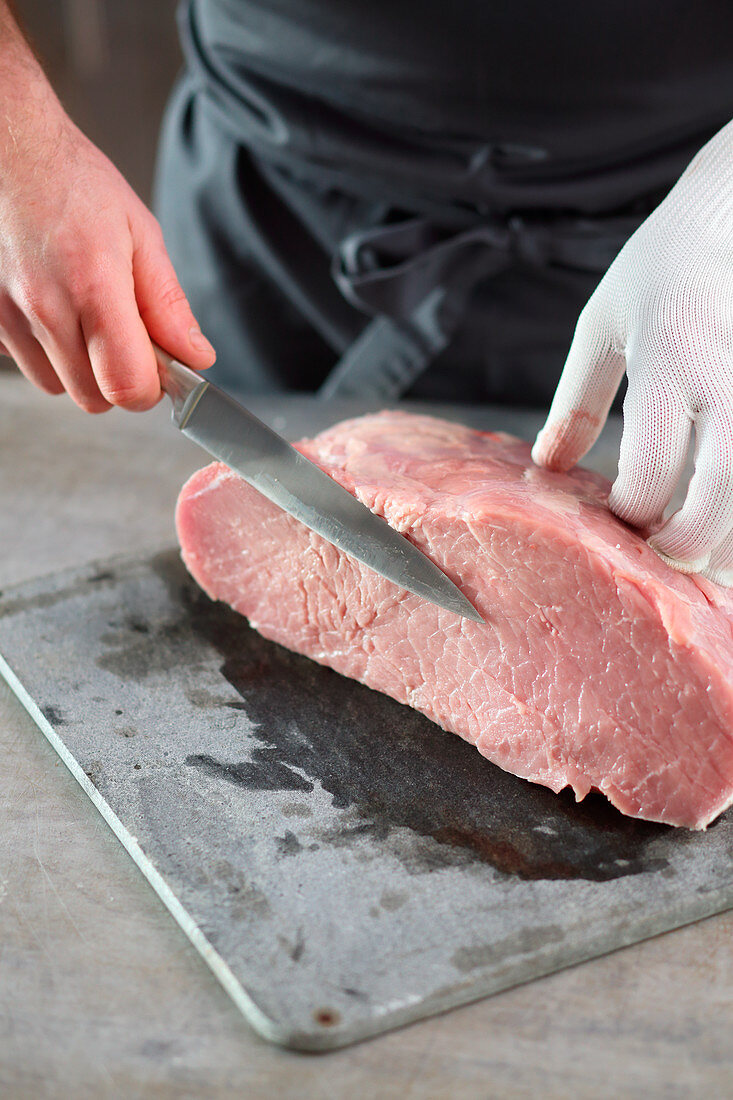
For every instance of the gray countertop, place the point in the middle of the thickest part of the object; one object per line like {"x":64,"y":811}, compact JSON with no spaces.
{"x":100,"y":992}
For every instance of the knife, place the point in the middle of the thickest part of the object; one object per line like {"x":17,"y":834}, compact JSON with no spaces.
{"x":271,"y":465}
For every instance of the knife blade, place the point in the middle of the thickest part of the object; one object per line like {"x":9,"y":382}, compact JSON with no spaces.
{"x":232,"y":434}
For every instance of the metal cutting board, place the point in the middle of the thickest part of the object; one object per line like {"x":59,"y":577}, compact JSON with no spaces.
{"x":342,"y":864}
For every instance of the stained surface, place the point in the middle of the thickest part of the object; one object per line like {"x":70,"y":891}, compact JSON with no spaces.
{"x":394,"y":767}
{"x":353,"y":864}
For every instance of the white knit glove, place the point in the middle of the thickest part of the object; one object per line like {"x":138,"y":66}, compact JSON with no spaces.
{"x":664,"y":313}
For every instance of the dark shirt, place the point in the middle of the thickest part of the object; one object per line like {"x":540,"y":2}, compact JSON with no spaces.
{"x":545,"y":93}
{"x":485,"y":159}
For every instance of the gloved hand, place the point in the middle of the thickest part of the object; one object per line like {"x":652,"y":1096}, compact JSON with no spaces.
{"x":664,"y":313}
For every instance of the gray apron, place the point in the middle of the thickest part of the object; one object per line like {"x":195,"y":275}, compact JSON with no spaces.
{"x":326,"y":248}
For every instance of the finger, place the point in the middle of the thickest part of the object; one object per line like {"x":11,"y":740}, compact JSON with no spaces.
{"x":706,"y":517}
{"x":654,"y":446}
{"x":62,"y":341}
{"x":93,"y":336}
{"x":590,"y":378}
{"x":50,"y":318}
{"x":32,"y":361}
{"x":720,"y":565}
{"x":163,"y":304}
{"x":117,"y":342}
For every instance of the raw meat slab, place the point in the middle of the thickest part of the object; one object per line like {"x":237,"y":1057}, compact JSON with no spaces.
{"x":328,"y":875}
{"x":598,"y":666}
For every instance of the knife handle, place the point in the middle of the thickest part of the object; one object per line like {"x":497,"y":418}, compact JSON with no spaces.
{"x":177,"y":380}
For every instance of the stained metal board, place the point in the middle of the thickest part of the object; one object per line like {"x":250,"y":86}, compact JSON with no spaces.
{"x":342,"y":864}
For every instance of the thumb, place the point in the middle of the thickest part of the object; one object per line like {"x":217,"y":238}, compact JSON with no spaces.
{"x":591,"y":375}
{"x":162,"y":302}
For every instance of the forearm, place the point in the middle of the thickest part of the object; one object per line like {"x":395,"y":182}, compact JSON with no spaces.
{"x":29,"y":108}
{"x":18,"y":62}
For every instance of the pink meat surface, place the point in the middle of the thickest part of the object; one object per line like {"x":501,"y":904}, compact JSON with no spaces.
{"x":598,"y":666}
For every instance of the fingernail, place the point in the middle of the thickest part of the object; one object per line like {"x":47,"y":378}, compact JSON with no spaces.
{"x":199,"y":341}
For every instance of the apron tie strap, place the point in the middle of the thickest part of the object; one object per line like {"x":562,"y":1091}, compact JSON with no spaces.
{"x":416,"y":279}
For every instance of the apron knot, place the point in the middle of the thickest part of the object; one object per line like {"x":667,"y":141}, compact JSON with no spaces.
{"x":415,"y":278}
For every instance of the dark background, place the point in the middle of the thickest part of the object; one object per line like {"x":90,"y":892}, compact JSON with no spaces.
{"x":112,"y":63}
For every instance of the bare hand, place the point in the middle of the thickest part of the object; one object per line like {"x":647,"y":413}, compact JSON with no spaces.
{"x":85,"y":279}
